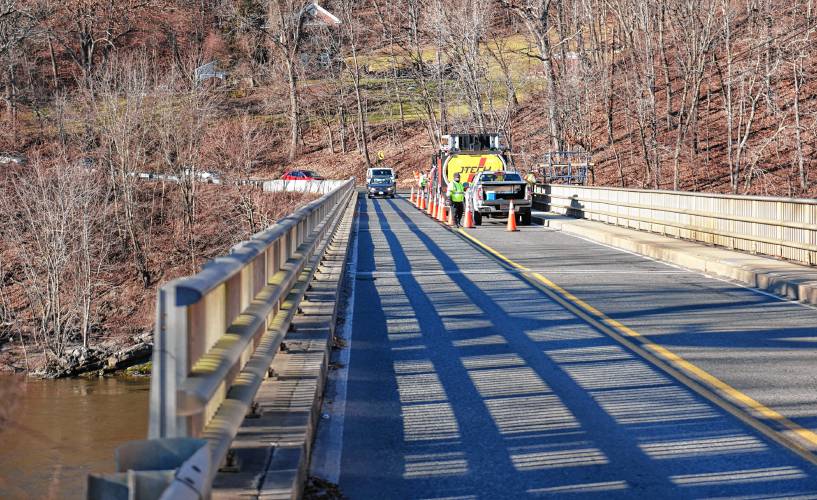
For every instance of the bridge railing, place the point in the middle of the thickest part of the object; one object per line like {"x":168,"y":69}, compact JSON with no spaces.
{"x":216,"y":335}
{"x":778,"y":227}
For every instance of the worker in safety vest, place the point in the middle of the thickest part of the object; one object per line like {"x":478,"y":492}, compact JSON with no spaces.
{"x":423,"y":182}
{"x":456,"y":194}
{"x":530,"y":179}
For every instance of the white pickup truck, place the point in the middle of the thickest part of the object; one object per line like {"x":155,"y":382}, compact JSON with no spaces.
{"x":490,"y":194}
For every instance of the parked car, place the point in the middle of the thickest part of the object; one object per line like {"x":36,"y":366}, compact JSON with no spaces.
{"x":301,"y":175}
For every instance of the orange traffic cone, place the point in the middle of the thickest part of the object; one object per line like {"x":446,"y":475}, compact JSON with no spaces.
{"x":469,"y":217}
{"x":511,"y":219}
{"x":451,"y":215}
{"x":411,"y":198}
{"x":432,"y":206}
{"x":422,"y":201}
{"x":441,"y":212}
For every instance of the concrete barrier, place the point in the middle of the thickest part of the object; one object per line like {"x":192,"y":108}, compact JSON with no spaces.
{"x":777,"y":227}
{"x":787,"y":279}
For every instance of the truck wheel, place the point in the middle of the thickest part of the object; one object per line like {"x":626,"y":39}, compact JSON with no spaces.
{"x":524,"y":218}
{"x":369,"y":196}
{"x":477,"y":219}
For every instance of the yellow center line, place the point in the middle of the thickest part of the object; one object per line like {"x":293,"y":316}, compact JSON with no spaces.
{"x":699,"y":380}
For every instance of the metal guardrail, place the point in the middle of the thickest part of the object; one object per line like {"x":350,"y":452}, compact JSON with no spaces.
{"x":218,"y":331}
{"x":301,"y":186}
{"x":778,"y":227}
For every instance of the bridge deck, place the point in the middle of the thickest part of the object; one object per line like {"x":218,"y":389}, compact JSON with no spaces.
{"x":542,"y":364}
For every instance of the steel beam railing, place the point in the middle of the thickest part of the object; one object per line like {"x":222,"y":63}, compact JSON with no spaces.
{"x":217,"y":333}
{"x":778,"y":227}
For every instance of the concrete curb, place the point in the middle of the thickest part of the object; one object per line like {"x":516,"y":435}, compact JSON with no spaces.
{"x":273,"y":448}
{"x":793,"y":281}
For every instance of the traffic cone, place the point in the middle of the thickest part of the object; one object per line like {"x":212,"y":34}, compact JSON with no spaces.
{"x":511,"y":219}
{"x":469,"y":217}
{"x":422,"y":201}
{"x":432,"y":206}
{"x":440,"y":208}
{"x":441,"y":212}
{"x":451,"y":215}
{"x":411,"y":198}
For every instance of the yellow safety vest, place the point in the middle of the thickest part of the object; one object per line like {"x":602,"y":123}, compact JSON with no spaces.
{"x":423,"y":181}
{"x":457,"y":192}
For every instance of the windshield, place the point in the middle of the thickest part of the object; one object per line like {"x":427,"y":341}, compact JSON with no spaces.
{"x":501,"y":176}
{"x":381,"y":172}
{"x":381,"y":180}
{"x":309,"y":173}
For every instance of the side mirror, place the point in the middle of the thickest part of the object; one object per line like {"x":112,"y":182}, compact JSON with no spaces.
{"x":395,"y":175}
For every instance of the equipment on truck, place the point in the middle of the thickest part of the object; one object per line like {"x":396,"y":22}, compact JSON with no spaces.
{"x":469,"y":154}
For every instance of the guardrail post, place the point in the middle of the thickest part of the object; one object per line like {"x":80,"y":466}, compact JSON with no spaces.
{"x":169,"y":365}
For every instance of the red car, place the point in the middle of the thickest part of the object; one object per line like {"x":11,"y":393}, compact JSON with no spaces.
{"x":301,"y":175}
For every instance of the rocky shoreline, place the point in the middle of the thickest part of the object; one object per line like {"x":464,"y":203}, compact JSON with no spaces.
{"x":96,"y":360}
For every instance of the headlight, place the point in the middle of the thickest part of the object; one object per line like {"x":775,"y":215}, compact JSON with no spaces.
{"x":390,"y":189}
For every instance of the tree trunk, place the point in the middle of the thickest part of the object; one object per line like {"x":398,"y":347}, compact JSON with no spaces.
{"x":550,"y":81}
{"x":294,"y":110}
{"x":342,"y":126}
{"x":801,"y":167}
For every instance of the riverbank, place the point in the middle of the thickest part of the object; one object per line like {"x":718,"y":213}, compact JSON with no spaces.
{"x":104,"y":359}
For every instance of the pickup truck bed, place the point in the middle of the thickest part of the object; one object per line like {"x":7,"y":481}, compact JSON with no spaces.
{"x":503,"y":193}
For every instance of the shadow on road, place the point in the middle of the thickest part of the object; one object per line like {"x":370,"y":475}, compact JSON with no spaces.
{"x":467,"y":382}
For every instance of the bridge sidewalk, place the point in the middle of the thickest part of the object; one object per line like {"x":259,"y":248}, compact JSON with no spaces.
{"x":796,"y":282}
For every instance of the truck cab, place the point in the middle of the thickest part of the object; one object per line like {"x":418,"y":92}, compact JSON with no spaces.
{"x":491,"y":192}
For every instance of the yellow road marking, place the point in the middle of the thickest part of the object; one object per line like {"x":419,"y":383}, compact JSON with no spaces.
{"x":702,"y":382}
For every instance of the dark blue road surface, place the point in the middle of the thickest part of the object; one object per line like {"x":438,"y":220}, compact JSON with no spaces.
{"x":466,"y":381}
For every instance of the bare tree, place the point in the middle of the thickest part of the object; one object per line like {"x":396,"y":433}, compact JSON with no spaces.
{"x":181,"y":120}
{"x":240,"y":152}
{"x":19,"y":24}
{"x":53,"y":218}
{"x":119,"y":115}
{"x":90,"y":30}
{"x":285,"y":22}
{"x":537,"y":16}
{"x":463,"y":28}
{"x":351,"y":28}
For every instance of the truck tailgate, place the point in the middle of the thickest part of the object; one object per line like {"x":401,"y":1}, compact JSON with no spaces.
{"x":503,"y":191}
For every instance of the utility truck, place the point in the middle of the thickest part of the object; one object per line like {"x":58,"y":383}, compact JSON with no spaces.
{"x":486,"y":169}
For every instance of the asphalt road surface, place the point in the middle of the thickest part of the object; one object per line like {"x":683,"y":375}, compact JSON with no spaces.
{"x":539,"y":364}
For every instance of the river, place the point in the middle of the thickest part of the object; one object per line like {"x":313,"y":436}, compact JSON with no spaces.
{"x":54,"y":432}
